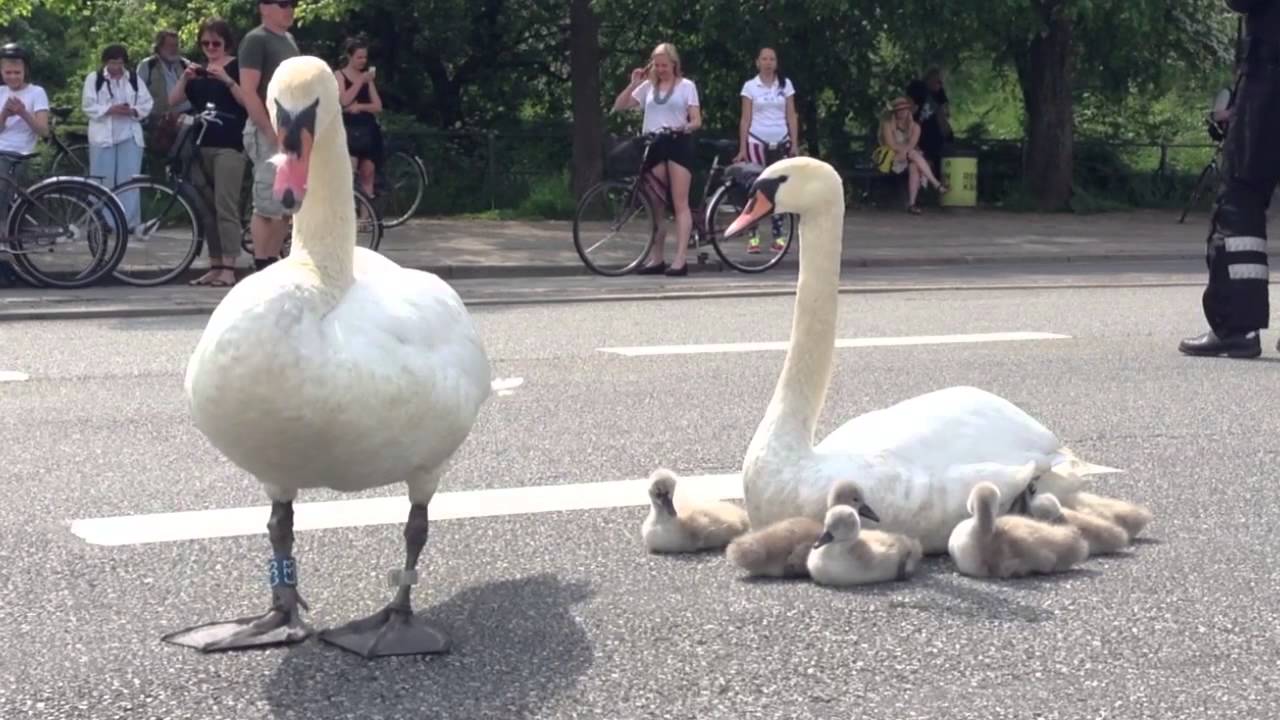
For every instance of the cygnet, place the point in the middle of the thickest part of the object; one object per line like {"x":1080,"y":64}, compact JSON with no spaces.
{"x":1133,"y":518}
{"x":702,"y":526}
{"x":778,"y":550}
{"x":1102,"y":535}
{"x":848,"y":555}
{"x":1011,"y":545}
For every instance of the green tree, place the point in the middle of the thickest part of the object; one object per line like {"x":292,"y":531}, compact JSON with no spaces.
{"x":1061,"y":49}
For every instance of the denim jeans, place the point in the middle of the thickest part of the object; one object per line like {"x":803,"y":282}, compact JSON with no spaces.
{"x":115,"y":164}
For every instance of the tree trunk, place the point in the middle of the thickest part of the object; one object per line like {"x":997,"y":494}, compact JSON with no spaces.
{"x":1044,"y":73}
{"x":588,"y":117}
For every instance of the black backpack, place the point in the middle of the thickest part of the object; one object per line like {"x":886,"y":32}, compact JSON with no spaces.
{"x":102,"y":80}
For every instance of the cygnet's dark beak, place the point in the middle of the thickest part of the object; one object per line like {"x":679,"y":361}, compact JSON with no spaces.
{"x":824,"y":539}
{"x":668,"y":503}
{"x":295,"y":134}
{"x":865,"y":511}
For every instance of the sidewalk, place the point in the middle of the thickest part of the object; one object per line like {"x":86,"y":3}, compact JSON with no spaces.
{"x":479,"y":248}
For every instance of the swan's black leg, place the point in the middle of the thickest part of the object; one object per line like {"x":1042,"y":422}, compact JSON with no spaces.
{"x":395,"y":630}
{"x":282,"y":624}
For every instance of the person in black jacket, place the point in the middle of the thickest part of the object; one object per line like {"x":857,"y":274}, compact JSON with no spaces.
{"x":1235,"y":300}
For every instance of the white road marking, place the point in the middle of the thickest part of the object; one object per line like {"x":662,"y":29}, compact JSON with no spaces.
{"x":639,"y":350}
{"x":13,"y":376}
{"x":230,"y":522}
{"x":506,"y":386}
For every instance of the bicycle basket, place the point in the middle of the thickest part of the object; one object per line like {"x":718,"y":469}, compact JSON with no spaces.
{"x":624,"y":159}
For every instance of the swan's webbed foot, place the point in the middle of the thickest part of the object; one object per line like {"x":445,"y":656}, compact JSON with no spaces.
{"x":395,"y":630}
{"x":282,"y":624}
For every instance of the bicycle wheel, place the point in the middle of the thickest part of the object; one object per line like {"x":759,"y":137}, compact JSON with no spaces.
{"x":623,"y":220}
{"x":67,"y":233}
{"x":738,"y":252}
{"x":167,"y":237}
{"x":1196,"y":192}
{"x":74,"y":162}
{"x":400,"y":186}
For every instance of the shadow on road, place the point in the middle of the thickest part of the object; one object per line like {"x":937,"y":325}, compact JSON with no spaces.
{"x":516,"y":646}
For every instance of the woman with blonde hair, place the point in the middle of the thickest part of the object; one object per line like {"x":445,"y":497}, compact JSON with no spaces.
{"x":669,"y":100}
{"x":900,"y":133}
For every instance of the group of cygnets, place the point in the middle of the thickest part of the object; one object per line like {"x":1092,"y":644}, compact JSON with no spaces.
{"x":1050,"y":538}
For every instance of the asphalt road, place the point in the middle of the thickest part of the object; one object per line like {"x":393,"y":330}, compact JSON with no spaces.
{"x":564,"y":615}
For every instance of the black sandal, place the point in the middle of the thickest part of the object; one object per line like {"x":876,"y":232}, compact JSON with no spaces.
{"x":212,"y":282}
{"x":652,"y":269}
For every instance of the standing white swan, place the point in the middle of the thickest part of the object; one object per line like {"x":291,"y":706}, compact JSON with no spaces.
{"x":916,"y":461}
{"x":334,"y":368}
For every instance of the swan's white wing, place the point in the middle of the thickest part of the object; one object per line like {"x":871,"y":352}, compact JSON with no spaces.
{"x":945,"y":428}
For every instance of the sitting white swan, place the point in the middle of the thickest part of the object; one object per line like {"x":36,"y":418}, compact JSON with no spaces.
{"x":334,"y":368}
{"x":916,"y":461}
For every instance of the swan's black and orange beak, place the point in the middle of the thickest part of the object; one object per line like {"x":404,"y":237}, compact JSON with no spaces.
{"x":295,"y":134}
{"x":763,"y":197}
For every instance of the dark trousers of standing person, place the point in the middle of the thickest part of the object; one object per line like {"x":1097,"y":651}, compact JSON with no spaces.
{"x":1235,"y":301}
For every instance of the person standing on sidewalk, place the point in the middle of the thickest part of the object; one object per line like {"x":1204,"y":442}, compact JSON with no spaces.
{"x":1235,"y":300}
{"x":768,"y":129}
{"x":260,"y":53}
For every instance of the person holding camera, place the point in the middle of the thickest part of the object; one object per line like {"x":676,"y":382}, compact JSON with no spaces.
{"x":219,"y":171}
{"x":668,"y":100}
{"x":360,"y":107}
{"x":115,"y":102}
{"x":1235,"y":300}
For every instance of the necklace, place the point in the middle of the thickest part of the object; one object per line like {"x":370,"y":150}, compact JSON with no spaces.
{"x":659,"y":98}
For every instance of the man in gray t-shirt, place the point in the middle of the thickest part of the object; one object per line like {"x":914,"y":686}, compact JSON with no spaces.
{"x":260,"y":53}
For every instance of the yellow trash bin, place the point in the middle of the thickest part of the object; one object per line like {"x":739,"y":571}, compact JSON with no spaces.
{"x":960,"y":174}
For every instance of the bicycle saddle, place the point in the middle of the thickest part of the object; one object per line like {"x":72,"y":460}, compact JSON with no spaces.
{"x":744,"y":173}
{"x":720,"y":146}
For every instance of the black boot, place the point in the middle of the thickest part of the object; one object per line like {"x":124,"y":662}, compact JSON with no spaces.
{"x":1242,"y":345}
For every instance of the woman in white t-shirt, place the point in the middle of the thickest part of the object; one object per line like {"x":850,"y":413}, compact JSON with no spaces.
{"x":768,"y":130}
{"x":669,"y":100}
{"x":24,"y":115}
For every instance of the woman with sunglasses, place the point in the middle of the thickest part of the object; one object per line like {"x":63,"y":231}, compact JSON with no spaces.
{"x":220,"y":170}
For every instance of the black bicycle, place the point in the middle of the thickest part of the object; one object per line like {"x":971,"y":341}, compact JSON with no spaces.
{"x":170,"y":233}
{"x":62,"y":232}
{"x":1212,"y":172}
{"x":616,"y":221}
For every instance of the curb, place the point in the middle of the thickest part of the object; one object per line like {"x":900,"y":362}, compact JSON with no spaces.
{"x":474,"y":271}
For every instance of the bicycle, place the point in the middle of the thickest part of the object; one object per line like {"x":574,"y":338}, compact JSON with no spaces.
{"x":72,"y":160}
{"x":400,"y":183}
{"x":170,"y":209}
{"x":724,"y":195}
{"x":369,"y":223}
{"x":60,"y":212}
{"x":1218,"y":133}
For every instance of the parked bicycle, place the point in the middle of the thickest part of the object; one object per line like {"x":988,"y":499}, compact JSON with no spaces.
{"x":69,"y":158}
{"x":62,"y":232}
{"x":170,"y":233}
{"x":399,"y":185}
{"x":623,"y":215}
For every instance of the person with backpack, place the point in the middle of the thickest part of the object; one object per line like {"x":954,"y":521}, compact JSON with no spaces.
{"x":115,"y":103}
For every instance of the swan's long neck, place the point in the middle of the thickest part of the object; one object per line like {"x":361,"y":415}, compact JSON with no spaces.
{"x":324,"y":229}
{"x":802,"y":387}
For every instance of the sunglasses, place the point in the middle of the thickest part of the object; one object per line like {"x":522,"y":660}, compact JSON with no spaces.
{"x":211,"y":43}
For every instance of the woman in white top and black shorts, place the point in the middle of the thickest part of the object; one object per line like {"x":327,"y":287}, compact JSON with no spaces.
{"x":669,"y":100}
{"x":768,"y":130}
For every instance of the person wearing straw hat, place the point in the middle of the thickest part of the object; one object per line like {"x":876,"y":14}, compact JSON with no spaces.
{"x":900,"y":134}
